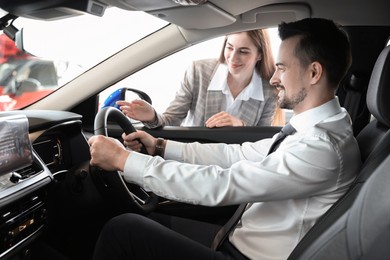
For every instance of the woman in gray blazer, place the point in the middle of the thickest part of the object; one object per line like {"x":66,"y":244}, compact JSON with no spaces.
{"x":233,"y":90}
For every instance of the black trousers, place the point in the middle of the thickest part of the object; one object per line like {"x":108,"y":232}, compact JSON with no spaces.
{"x":132,"y":236}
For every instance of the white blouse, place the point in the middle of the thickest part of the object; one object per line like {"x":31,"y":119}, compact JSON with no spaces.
{"x":253,"y":90}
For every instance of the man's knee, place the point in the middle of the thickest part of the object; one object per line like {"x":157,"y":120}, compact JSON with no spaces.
{"x":125,"y":224}
{"x":117,"y":234}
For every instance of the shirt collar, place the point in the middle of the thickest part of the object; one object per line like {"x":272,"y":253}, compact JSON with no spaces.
{"x":254,"y":90}
{"x":315,"y":115}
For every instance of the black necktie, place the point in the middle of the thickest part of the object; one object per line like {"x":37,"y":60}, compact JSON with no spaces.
{"x":225,"y":230}
{"x":284,"y":132}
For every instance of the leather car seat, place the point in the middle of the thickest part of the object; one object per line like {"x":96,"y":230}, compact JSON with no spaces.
{"x":374,"y":143}
{"x":363,"y":231}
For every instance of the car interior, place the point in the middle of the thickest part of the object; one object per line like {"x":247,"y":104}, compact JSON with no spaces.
{"x":53,"y":203}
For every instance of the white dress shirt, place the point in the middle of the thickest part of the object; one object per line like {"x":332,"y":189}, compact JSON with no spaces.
{"x":289,"y":189}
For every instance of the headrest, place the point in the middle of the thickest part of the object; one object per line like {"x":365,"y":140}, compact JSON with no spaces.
{"x":378,"y":93}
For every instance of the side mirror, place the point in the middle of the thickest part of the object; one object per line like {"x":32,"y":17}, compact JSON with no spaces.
{"x":131,"y":94}
{"x":127,"y":94}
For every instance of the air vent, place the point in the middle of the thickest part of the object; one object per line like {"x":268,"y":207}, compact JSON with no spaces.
{"x":9,"y":213}
{"x":26,"y":204}
{"x":33,"y":202}
{"x":21,"y":219}
{"x":30,"y":170}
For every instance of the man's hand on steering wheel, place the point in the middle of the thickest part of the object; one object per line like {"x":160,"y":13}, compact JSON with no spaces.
{"x":107,"y":153}
{"x":136,"y":140}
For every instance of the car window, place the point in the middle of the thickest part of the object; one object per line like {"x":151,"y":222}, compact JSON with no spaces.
{"x":168,"y":72}
{"x":61,"y":50}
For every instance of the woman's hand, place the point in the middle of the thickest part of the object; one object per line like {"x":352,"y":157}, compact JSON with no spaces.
{"x":107,"y":153}
{"x":223,"y":119}
{"x":135,"y":140}
{"x":138,"y":110}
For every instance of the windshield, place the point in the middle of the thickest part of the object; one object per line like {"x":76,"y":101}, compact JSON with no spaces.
{"x":61,"y":50}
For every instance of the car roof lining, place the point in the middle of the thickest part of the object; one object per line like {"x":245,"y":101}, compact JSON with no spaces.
{"x":212,"y":14}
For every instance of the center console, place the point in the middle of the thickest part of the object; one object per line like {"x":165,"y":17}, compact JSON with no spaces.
{"x":23,"y":183}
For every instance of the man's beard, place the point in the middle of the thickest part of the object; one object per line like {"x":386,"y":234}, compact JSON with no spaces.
{"x":290,"y":103}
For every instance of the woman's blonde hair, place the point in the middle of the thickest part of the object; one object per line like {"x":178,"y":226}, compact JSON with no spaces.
{"x":260,"y":38}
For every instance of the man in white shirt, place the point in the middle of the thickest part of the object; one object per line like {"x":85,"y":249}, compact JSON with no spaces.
{"x":286,"y":190}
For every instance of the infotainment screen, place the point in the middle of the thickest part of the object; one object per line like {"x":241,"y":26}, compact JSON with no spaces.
{"x":15,"y":145}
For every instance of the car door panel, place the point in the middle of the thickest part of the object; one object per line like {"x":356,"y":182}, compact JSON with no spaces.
{"x":229,"y":135}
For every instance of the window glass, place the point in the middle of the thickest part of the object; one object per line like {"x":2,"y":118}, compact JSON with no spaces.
{"x":162,"y":79}
{"x":60,"y":50}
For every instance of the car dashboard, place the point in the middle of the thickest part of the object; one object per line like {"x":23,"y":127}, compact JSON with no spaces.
{"x":57,"y":145}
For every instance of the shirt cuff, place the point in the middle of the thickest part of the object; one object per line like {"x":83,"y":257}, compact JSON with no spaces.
{"x":134,"y":169}
{"x":174,"y":150}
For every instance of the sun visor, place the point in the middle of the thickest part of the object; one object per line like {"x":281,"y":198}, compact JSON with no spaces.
{"x":273,"y":14}
{"x":196,"y":17}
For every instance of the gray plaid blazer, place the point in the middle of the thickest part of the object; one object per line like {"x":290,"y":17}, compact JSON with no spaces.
{"x":194,"y":104}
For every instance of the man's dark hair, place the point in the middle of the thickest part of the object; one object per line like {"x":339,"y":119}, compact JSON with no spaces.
{"x":323,"y":41}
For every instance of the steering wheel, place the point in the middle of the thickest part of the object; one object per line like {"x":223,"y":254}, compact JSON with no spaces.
{"x":111,"y":184}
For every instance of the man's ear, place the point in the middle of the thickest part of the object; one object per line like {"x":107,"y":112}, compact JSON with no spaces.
{"x":316,"y":72}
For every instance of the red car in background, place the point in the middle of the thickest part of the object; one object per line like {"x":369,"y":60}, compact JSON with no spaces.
{"x":24,"y":78}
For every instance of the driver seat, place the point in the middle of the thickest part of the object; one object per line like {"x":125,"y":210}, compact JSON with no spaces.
{"x":374,"y":143}
{"x":363,"y":231}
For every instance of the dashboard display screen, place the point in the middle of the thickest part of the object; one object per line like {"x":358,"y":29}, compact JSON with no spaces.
{"x":15,"y":145}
